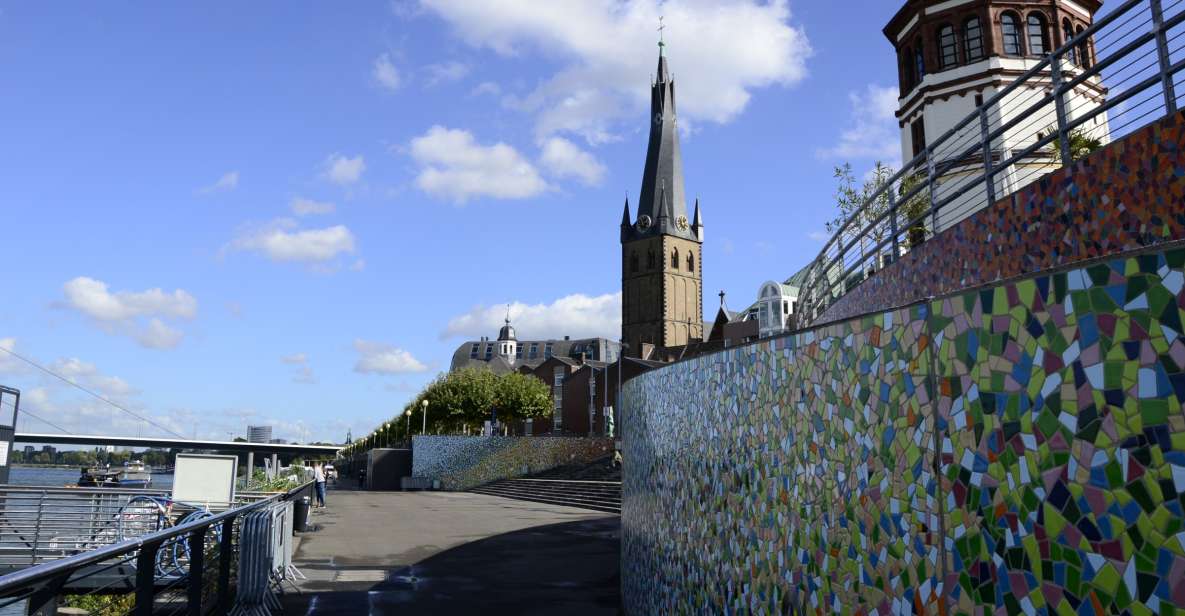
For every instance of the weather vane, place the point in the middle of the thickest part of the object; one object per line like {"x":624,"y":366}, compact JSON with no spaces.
{"x":661,"y":27}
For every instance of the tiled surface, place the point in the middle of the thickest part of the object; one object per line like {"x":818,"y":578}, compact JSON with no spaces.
{"x":463,"y":462}
{"x":1129,"y":195}
{"x":800,"y":472}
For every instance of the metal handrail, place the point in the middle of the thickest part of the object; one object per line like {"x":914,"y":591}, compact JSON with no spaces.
{"x":829,"y":276}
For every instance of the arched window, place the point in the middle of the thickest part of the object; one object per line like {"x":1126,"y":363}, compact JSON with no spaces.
{"x":675,"y":258}
{"x":1067,"y":34}
{"x":907,"y":63}
{"x":1010,"y":29}
{"x":973,"y":39}
{"x":1083,"y":51}
{"x":948,"y":46}
{"x":634,"y":262}
{"x":690,"y":262}
{"x":1038,"y":36}
{"x":920,"y":60}
{"x":651,"y":262}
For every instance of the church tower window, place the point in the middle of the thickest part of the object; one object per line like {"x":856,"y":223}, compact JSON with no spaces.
{"x":675,"y":259}
{"x":1038,"y":38}
{"x":1010,"y":29}
{"x":651,"y":261}
{"x":633,"y":262}
{"x":691,"y":263}
{"x":948,"y":46}
{"x":973,"y":38}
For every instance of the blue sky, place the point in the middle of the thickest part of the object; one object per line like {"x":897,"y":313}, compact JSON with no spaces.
{"x":222,"y":213}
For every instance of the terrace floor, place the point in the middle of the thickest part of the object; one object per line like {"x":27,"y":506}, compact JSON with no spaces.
{"x":455,"y":553}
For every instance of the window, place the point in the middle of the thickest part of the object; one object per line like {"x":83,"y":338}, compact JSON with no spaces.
{"x":1083,"y":51}
{"x":1067,"y":34}
{"x":473,"y":351}
{"x":675,"y":259}
{"x":973,"y":40}
{"x":489,"y":351}
{"x":534,"y":351}
{"x":518,"y":352}
{"x":907,"y":64}
{"x":917,"y":133}
{"x":948,"y":46}
{"x":1010,"y":28}
{"x":558,"y":379}
{"x":633,"y":262}
{"x":785,"y":307}
{"x":978,"y":101}
{"x":1038,"y":38}
{"x":547,"y":351}
{"x":691,"y":263}
{"x":651,"y":262}
{"x":920,"y":61}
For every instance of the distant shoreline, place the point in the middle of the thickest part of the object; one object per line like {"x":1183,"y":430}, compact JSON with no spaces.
{"x":24,"y":465}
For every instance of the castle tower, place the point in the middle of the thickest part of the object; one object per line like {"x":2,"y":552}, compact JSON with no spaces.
{"x":954,"y":56}
{"x":661,"y":250}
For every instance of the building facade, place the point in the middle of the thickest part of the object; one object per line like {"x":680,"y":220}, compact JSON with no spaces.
{"x":508,"y":353}
{"x":661,"y":249}
{"x":259,"y":434}
{"x":954,"y":55}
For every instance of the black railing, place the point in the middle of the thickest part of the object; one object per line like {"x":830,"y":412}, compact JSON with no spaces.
{"x":1106,"y":81}
{"x":182,"y":569}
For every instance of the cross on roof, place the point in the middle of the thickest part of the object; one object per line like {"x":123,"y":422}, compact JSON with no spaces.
{"x":661,"y":27}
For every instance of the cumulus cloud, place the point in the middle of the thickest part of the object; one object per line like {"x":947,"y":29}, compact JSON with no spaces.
{"x":564,"y":159}
{"x":8,"y":363}
{"x":343,"y":170}
{"x":307,"y":207}
{"x":578,"y":315}
{"x":872,"y":131}
{"x":380,"y":358}
{"x":281,"y":240}
{"x":454,"y":166}
{"x":304,"y":372}
{"x":729,"y":48}
{"x":445,"y":72}
{"x":137,"y":314}
{"x":87,"y":374}
{"x":384,"y":72}
{"x":229,"y":181}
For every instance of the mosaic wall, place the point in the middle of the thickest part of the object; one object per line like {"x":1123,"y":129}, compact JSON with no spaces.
{"x":463,"y":462}
{"x":1016,"y":450}
{"x":1126,"y":196}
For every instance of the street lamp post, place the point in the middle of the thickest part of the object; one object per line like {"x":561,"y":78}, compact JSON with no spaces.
{"x":620,"y":360}
{"x":407,"y":432}
{"x":387,"y":435}
{"x":424,"y":428}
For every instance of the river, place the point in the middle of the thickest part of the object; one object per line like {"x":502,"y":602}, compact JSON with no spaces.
{"x":41,"y":476}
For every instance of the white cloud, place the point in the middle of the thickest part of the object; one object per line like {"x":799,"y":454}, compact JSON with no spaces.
{"x":379,"y":358}
{"x":136,"y":314}
{"x":564,"y":159}
{"x":229,"y":181}
{"x":454,"y":166}
{"x":304,"y":373}
{"x":86,"y":374}
{"x":578,"y":316}
{"x":340,"y":169}
{"x":446,"y":72}
{"x":487,"y":87}
{"x":384,"y":72}
{"x":307,"y":207}
{"x":8,"y":363}
{"x":873,"y":132}
{"x":727,"y":48}
{"x":296,"y":358}
{"x":281,"y":241}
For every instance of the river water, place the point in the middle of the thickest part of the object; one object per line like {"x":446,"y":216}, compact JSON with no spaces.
{"x":38,"y":476}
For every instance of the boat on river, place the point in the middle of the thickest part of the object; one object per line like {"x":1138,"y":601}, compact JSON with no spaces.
{"x":132,"y":475}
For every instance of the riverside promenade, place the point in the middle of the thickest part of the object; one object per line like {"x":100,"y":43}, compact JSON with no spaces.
{"x":455,"y":553}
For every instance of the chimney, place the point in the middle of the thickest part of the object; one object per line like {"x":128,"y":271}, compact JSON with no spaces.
{"x":567,"y":338}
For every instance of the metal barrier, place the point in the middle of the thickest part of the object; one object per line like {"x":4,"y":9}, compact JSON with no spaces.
{"x":1109,"y":79}
{"x":184,"y":568}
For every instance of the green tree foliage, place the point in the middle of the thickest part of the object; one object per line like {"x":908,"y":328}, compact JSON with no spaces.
{"x":467,"y":397}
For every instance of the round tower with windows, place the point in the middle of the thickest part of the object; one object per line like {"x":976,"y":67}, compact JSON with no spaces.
{"x":954,"y":55}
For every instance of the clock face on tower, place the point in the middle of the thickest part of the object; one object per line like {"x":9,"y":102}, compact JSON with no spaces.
{"x":682,"y":223}
{"x":644,"y":222}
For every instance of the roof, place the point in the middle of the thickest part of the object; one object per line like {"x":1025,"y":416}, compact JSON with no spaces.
{"x":571,"y":349}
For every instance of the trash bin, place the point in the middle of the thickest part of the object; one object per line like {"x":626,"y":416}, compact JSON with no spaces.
{"x":300,"y":514}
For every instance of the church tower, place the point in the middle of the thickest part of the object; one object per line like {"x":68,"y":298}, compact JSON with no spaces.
{"x":661,"y":249}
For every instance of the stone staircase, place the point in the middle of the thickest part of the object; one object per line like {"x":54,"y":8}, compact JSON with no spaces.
{"x":593,"y":486}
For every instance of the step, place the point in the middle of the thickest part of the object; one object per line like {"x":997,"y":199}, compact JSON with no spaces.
{"x":594,"y":505}
{"x":564,"y":488}
{"x":565,"y":498}
{"x":615,"y":498}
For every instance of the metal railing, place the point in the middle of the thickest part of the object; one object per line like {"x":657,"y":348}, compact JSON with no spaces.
{"x":130,"y":551}
{"x":1108,"y":80}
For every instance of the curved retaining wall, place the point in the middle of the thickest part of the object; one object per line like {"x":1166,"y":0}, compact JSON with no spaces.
{"x":1019,"y":449}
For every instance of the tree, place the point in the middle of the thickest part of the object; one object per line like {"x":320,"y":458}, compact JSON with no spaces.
{"x":468,"y":397}
{"x":1081,"y":144}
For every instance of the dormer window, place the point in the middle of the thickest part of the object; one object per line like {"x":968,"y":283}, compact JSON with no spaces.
{"x":1010,"y":29}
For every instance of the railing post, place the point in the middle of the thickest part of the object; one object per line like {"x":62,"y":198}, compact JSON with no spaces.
{"x":146,"y":579}
{"x":1059,"y":104}
{"x":930,"y":184}
{"x":893,"y":207}
{"x":197,"y":569}
{"x":225,"y":554}
{"x":988,"y":163}
{"x":1162,"y":53}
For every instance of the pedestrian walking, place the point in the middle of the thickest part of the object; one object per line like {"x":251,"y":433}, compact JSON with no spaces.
{"x":319,"y":478}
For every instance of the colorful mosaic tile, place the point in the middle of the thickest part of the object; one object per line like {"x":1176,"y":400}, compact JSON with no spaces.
{"x":1127,"y":196}
{"x":463,"y":462}
{"x":1019,"y":449}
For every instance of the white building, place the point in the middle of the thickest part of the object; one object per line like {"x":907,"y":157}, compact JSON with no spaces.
{"x":776,"y":306}
{"x":953,"y":55}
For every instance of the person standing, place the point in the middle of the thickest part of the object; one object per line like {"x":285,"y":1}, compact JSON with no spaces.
{"x":319,"y":478}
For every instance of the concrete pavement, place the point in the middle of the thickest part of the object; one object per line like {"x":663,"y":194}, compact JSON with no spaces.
{"x":455,"y":553}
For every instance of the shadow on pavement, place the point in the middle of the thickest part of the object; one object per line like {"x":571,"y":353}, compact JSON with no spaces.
{"x":570,"y":568}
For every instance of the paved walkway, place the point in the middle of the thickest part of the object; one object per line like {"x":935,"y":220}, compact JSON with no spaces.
{"x":455,"y":553}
